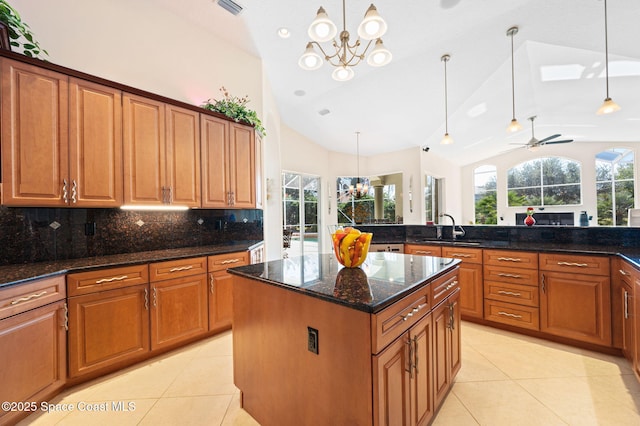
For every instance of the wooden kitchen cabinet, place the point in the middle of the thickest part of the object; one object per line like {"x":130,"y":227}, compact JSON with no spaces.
{"x":228,"y":164}
{"x":33,"y":345}
{"x":62,"y":139}
{"x":447,"y":355}
{"x":623,"y":275}
{"x":576,"y":303}
{"x":161,"y":153}
{"x":511,"y":294}
{"x":178,"y":300}
{"x":470,"y":276}
{"x":221,"y":288}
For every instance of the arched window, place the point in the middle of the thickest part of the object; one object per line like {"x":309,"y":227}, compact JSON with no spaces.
{"x":614,"y":185}
{"x":551,"y":181}
{"x":486,"y":205}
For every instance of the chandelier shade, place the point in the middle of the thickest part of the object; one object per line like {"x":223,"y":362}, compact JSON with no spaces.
{"x":342,"y":53}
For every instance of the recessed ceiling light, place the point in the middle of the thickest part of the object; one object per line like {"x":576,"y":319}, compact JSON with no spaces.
{"x":284,"y":32}
{"x":299,"y":93}
{"x":324,"y":111}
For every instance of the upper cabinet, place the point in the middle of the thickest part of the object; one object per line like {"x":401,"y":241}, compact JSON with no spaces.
{"x":61,"y":139}
{"x":161,"y":153}
{"x":228,"y":164}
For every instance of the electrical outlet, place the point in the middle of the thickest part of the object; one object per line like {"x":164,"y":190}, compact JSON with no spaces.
{"x":312,"y":340}
{"x":90,"y":229}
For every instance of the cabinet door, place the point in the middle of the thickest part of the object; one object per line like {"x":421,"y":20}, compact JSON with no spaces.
{"x":144,"y":151}
{"x":220,"y":301}
{"x":215,"y":165}
{"x":627,"y":321}
{"x":636,"y":325}
{"x":95,"y":145}
{"x":391,"y":384}
{"x":471,"y":290}
{"x":576,"y":306}
{"x":183,"y":156}
{"x":455,"y":342}
{"x":242,"y":160}
{"x":422,"y":398}
{"x":179,"y":310}
{"x":33,"y":354}
{"x":108,"y":328}
{"x":441,"y":352}
{"x":35,"y":138}
{"x":259,"y":171}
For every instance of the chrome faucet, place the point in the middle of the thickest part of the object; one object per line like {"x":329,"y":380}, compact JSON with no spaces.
{"x":456,"y":233}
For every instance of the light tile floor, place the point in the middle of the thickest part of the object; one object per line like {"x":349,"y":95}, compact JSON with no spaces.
{"x":506,"y":379}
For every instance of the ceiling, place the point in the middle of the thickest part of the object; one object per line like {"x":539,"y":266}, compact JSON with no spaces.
{"x":559,"y":71}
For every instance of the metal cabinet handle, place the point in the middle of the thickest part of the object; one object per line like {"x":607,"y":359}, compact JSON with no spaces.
{"x":622,"y":272}
{"x":108,"y":280}
{"x":66,"y":317}
{"x":450,"y":286}
{"x":510,"y":259}
{"x":461,"y":255}
{"x":626,"y":304}
{"x":31,"y":296}
{"x":146,"y":299}
{"x":503,"y":274}
{"x":422,"y":252}
{"x":509,"y":293}
{"x":413,"y":311}
{"x":543,"y":283}
{"x":233,"y":198}
{"x":211,"y":280}
{"x":507,"y":314}
{"x":580,"y":265}
{"x":452,"y":322}
{"x":415,"y":354}
{"x":410,"y":358}
{"x":74,"y":191}
{"x":181,"y":268}
{"x":65,"y":194}
{"x":155,"y":297}
{"x":226,"y":262}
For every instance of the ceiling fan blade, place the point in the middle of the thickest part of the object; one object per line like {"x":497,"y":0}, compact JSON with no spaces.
{"x":550,"y":137}
{"x":554,"y":142}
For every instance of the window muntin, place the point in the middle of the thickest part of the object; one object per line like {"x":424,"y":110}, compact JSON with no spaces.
{"x":544,"y":182}
{"x":614,"y":186}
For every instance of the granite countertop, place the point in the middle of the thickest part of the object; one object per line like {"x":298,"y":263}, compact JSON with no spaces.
{"x":17,"y":274}
{"x":381,"y":280}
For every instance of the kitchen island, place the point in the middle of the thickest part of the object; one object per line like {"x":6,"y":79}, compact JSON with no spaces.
{"x":315,"y":343}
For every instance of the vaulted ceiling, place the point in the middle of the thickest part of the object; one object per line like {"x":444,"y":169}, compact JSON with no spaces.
{"x":559,"y":71}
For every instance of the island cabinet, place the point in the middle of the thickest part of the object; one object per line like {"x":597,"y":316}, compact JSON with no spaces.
{"x":623,"y":276}
{"x":635,"y":341}
{"x":61,"y":139}
{"x":310,"y":333}
{"x":108,"y":319}
{"x":221,"y":288}
{"x":32,"y":345}
{"x":178,"y":300}
{"x":228,"y":164}
{"x":575,"y":297}
{"x":161,"y":153}
{"x":471,"y":287}
{"x":511,"y":293}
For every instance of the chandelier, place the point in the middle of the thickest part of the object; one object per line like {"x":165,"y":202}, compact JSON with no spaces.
{"x":360,"y":188}
{"x":344,"y":55}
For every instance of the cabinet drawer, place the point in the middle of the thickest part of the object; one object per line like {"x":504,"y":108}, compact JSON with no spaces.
{"x":423,"y":250}
{"x":177,"y":268}
{"x":221,"y":262}
{"x":442,"y":287}
{"x":107,"y":279}
{"x":512,"y":293}
{"x":509,"y":313}
{"x":469,"y":255}
{"x":398,"y":318}
{"x":560,"y":262}
{"x":23,"y":297}
{"x":510,"y":258}
{"x":511,"y":275}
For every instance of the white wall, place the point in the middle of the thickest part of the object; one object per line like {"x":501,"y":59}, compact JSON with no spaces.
{"x":583,"y":152}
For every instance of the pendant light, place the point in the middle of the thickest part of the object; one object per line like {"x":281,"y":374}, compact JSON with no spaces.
{"x":608,"y":106}
{"x":446,"y":140}
{"x":514,"y":126}
{"x":360,"y":188}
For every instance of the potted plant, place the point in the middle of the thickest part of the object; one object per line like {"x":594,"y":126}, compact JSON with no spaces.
{"x":18,"y":32}
{"x":235,"y":108}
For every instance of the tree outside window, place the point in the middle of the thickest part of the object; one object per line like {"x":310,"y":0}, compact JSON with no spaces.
{"x":486,"y":202}
{"x":551,"y":181}
{"x":614,"y":186}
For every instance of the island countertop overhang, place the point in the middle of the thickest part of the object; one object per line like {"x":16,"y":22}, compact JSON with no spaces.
{"x":383,"y":279}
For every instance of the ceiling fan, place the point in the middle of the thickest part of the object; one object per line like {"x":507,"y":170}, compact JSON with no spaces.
{"x":535,"y":143}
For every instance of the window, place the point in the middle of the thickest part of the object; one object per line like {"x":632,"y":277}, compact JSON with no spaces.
{"x":614,"y":186}
{"x":433,"y":187}
{"x":485,"y":195}
{"x":300,"y":195}
{"x":551,"y":181}
{"x":352,"y":208}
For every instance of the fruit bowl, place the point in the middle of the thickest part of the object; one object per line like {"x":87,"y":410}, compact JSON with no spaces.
{"x":350,"y":246}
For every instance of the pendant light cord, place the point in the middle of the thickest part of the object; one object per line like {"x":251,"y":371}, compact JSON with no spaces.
{"x":446,"y":109}
{"x":606,"y":48}
{"x":513,"y":86}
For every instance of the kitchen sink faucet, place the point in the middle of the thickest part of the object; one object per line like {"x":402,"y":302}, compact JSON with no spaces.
{"x":456,"y":233}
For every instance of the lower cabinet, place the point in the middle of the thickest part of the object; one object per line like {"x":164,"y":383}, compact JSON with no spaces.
{"x":470,"y":276}
{"x":32,"y":346}
{"x":447,"y":350}
{"x":636,"y":324}
{"x":623,"y":275}
{"x":221,"y":288}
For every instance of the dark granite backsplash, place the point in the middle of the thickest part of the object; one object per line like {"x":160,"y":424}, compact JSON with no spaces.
{"x":45,"y":234}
